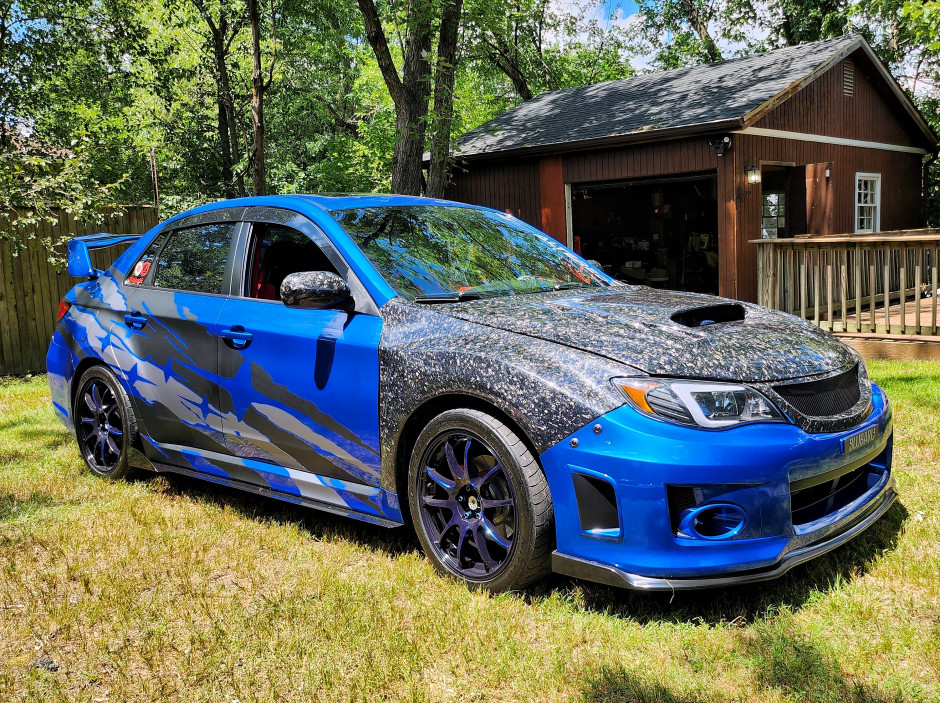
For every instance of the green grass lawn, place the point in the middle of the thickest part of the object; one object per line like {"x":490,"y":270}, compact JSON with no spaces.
{"x":164,"y":588}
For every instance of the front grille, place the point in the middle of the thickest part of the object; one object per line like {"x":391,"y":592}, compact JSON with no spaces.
{"x":825,"y":397}
{"x":815,"y":502}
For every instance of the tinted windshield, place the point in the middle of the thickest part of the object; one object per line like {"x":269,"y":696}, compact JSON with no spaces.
{"x":433,"y":250}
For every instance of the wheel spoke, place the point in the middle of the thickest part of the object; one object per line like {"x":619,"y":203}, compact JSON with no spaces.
{"x":491,"y":531}
{"x":478,"y":483}
{"x":115,"y":431}
{"x":461,"y":541}
{"x":112,"y":446}
{"x":96,"y":397}
{"x":456,"y":469}
{"x":431,"y":502}
{"x":100,"y":451}
{"x":444,"y":483}
{"x":90,"y":402}
{"x":479,"y":538}
{"x":86,"y":420}
{"x":496,"y":503}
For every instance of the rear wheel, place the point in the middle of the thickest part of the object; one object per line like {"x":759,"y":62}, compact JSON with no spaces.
{"x":104,"y":423}
{"x":480,"y":502}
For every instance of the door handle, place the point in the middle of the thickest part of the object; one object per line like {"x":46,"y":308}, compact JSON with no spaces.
{"x":135,"y":320}
{"x":236,"y":337}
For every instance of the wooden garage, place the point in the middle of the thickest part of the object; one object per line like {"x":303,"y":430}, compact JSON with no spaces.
{"x":663,"y":178}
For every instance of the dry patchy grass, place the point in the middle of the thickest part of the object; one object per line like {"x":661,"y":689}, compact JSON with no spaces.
{"x":164,"y":588}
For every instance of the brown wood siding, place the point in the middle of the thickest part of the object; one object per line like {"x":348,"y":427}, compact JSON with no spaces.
{"x":640,"y":161}
{"x":901,"y":206}
{"x":872,"y":114}
{"x":552,"y":186}
{"x":503,"y":185}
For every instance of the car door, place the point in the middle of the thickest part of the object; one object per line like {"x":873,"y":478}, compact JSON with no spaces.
{"x":170,"y":336}
{"x":299,"y":387}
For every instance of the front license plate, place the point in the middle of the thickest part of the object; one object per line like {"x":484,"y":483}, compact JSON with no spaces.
{"x":856,"y":441}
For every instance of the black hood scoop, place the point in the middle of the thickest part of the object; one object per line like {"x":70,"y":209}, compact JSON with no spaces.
{"x":710,"y":315}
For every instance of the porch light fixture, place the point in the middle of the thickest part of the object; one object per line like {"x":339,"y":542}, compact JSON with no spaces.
{"x":752,"y":171}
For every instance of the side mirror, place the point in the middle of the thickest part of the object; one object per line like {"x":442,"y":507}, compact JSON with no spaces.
{"x":313,"y":289}
{"x":79,"y":260}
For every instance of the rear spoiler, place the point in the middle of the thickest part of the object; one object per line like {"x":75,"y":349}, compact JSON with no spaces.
{"x":79,"y":258}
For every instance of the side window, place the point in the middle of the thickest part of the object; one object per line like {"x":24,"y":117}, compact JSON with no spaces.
{"x":194,"y":258}
{"x":145,"y":263}
{"x":277,"y":252}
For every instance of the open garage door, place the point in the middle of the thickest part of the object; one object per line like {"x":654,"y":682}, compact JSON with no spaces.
{"x":660,"y":232}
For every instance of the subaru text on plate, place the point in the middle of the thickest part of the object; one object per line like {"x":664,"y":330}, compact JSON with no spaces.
{"x":398,"y":359}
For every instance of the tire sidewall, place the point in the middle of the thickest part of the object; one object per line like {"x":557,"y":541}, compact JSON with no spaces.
{"x":100,"y":373}
{"x":471,"y":422}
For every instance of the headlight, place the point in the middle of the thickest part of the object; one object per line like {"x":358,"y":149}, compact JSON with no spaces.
{"x":701,"y":403}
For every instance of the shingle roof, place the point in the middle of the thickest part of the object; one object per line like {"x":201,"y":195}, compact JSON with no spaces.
{"x":684,"y":97}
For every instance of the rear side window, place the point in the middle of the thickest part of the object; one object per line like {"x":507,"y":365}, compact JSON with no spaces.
{"x":143,"y":266}
{"x":194,"y":258}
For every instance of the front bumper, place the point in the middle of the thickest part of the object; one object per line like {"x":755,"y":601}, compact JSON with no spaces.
{"x":753,"y":466}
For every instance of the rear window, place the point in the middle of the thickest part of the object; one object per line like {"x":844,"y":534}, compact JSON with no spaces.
{"x":194,"y":258}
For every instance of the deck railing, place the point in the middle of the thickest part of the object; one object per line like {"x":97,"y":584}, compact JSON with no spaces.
{"x":880,"y":284}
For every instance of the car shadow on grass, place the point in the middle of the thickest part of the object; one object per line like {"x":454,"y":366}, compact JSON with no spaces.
{"x":316,"y":523}
{"x":751,"y":603}
{"x":788,"y":665}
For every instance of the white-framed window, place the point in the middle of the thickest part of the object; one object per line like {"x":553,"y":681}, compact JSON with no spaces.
{"x":867,"y":202}
{"x":773,"y":221}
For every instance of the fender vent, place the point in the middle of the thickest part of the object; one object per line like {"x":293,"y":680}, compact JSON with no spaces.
{"x":710,"y":315}
{"x":597,"y":503}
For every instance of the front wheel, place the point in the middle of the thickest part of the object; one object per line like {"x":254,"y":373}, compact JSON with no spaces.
{"x":480,"y":502}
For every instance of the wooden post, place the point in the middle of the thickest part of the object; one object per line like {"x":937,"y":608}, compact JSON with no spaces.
{"x":829,"y":289}
{"x":887,"y":289}
{"x":844,"y":284}
{"x":902,"y":285}
{"x":918,"y":255}
{"x":816,"y":251}
{"x":935,"y":269}
{"x":872,"y":288}
{"x":857,"y":326}
{"x":803,"y":283}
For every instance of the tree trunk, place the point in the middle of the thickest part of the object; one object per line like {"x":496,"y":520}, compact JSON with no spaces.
{"x":442,"y":118}
{"x":700,"y":26}
{"x":410,"y":92}
{"x":257,"y":101}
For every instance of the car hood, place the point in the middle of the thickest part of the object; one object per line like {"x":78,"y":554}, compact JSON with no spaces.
{"x":667,"y":333}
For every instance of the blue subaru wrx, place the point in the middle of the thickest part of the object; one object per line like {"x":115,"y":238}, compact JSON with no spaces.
{"x":398,"y":359}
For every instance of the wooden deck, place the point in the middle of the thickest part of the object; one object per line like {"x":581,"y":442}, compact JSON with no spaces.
{"x":879,"y":292}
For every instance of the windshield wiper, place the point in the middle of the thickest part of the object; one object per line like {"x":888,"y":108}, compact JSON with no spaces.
{"x":572,"y":284}
{"x":448,"y":297}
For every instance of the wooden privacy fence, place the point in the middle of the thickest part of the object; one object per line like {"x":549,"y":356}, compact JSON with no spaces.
{"x":883,"y":284}
{"x":31,"y":287}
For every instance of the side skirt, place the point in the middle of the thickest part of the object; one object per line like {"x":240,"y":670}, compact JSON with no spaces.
{"x":271,"y":493}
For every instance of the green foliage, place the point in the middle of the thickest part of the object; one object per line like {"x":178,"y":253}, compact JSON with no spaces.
{"x":87,"y":89}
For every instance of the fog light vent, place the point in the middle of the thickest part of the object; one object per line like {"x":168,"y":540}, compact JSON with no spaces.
{"x":714,"y":521}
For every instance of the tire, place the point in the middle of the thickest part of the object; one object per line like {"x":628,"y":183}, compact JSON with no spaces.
{"x":105,"y":425}
{"x":502,"y":502}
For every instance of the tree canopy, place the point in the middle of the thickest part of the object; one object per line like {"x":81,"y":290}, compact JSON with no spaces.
{"x":98,"y":97}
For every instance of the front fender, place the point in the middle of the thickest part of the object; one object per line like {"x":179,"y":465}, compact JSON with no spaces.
{"x":549,"y":390}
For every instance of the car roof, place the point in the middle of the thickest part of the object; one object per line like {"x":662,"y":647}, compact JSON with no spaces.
{"x":347,"y":201}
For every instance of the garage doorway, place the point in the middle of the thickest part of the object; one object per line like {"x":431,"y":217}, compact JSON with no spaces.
{"x":660,"y":232}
